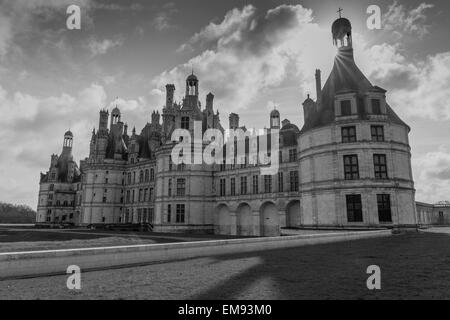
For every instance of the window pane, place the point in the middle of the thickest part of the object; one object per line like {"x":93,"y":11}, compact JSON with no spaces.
{"x":346,"y":108}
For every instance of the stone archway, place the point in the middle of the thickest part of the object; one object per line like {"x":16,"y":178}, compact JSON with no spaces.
{"x":222,"y":220}
{"x":293,"y":214}
{"x":244,"y":221}
{"x":270,"y":224}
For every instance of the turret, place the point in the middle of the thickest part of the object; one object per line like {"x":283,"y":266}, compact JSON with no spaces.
{"x":115,"y":117}
{"x":342,"y":32}
{"x":275,"y":119}
{"x":103,"y":121}
{"x":234,"y":121}
{"x":308,"y":108}
{"x":192,"y":85}
{"x":68,"y":140}
{"x":155,"y":117}
{"x":210,"y":101}
{"x":170,"y":91}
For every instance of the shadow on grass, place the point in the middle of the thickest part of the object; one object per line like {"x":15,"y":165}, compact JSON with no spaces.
{"x":413,"y":266}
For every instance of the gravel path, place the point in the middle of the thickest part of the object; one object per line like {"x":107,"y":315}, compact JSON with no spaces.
{"x":413,"y":266}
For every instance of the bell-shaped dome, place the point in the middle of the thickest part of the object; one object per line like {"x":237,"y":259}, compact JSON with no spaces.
{"x":116,"y":110}
{"x":275,"y":113}
{"x":68,"y":134}
{"x":340,"y":29}
{"x":192,"y":77}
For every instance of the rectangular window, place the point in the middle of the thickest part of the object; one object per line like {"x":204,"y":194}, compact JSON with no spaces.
{"x":152,"y":174}
{"x":348,"y":134}
{"x":379,"y":163}
{"x":294,"y":181}
{"x":377,"y":133}
{"x":376,"y":106}
{"x":255,"y":185}
{"x":233,"y":186}
{"x":151,"y":215}
{"x":384,"y":207}
{"x":280,"y":156}
{"x":185,"y":123}
{"x":354,"y":208}
{"x":346,"y":108}
{"x":280,"y":182}
{"x":146,"y":195}
{"x":222,"y":187}
{"x":267,"y":184}
{"x":180,"y":213}
{"x":170,"y":188}
{"x":243,"y":185}
{"x":140,"y":195}
{"x":151,"y":194}
{"x":292,"y":155}
{"x":351,"y":169}
{"x":181,"y":187}
{"x":169,"y":213}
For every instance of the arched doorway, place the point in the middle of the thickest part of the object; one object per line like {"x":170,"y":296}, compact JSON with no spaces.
{"x":270,"y":225}
{"x":293,"y":214}
{"x":222,"y":220}
{"x":244,"y":223}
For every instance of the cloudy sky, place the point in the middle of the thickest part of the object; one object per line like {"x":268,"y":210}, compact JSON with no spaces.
{"x":251,"y":54}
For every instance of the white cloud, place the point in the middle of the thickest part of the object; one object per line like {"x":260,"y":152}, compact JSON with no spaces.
{"x":428,"y":96}
{"x":32,"y":129}
{"x":164,"y":18}
{"x":401,"y":20}
{"x":100,"y":47}
{"x":250,"y":52}
{"x":432,"y":176}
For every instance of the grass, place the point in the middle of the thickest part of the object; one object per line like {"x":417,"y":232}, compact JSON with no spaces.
{"x":413,"y":266}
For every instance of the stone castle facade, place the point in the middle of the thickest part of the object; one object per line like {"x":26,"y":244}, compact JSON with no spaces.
{"x":349,"y":166}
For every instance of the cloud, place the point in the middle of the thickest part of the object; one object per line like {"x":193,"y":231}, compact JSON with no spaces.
{"x":432,"y":176}
{"x":101,"y":47}
{"x":164,"y":18}
{"x":235,"y":21}
{"x":431,"y":95}
{"x":249,"y":52}
{"x":416,"y":87}
{"x":400,"y":20}
{"x":28,"y":122}
{"x":5,"y":34}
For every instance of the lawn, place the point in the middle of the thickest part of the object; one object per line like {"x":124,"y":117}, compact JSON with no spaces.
{"x":413,"y":266}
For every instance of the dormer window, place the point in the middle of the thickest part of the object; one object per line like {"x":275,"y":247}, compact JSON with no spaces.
{"x":346,"y":108}
{"x":376,"y":106}
{"x":185,"y":123}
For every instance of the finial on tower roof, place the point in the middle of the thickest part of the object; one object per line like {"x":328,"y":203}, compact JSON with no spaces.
{"x":340,"y":12}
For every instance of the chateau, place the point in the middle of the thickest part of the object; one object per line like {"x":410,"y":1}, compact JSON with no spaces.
{"x":349,"y":166}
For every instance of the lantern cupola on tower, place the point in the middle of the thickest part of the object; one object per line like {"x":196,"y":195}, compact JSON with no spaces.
{"x":342,"y":32}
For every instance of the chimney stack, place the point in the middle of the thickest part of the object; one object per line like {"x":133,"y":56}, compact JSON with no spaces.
{"x":318,"y":87}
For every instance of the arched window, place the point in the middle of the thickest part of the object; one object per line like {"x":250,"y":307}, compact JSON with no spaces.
{"x":146,"y":175}
{"x":141,"y":176}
